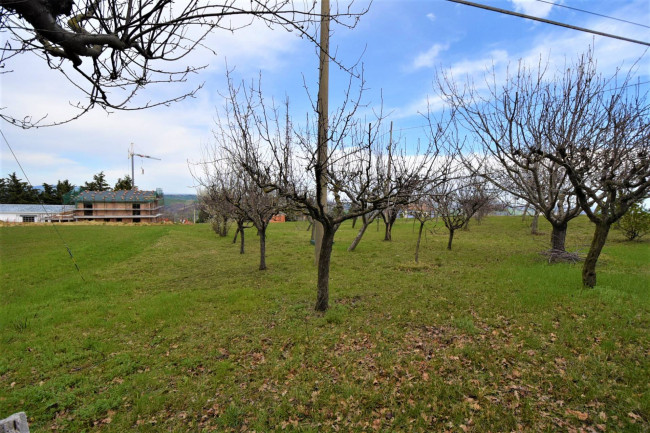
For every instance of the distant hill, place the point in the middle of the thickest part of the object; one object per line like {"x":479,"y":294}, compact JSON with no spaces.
{"x":180,"y":206}
{"x":172,"y":198}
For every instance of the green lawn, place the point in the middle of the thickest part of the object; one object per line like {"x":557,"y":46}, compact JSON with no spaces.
{"x":173,"y":330}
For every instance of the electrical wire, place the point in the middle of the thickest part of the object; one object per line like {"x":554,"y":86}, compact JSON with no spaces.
{"x":544,"y":20}
{"x":593,"y":13}
{"x":43,"y":206}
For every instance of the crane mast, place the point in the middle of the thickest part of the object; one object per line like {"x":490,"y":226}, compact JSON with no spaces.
{"x":132,"y":155}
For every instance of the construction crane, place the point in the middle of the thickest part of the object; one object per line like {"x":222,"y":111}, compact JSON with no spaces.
{"x":132,"y":154}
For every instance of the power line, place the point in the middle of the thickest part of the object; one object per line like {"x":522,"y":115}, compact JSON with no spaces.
{"x":43,"y":206}
{"x":544,"y":20}
{"x":593,"y":13}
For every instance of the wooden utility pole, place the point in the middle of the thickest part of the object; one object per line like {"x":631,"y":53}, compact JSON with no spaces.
{"x":323,"y":101}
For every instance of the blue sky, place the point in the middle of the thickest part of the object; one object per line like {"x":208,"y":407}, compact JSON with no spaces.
{"x":401,"y":45}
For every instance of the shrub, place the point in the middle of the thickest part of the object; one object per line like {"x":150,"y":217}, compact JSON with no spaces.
{"x":635,"y":223}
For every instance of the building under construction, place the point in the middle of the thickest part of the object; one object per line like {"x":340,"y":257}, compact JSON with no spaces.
{"x":127,"y":206}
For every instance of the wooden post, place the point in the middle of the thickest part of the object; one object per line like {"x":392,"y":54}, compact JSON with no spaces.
{"x":323,"y":102}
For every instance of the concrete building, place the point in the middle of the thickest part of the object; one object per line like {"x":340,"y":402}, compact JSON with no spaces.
{"x":130,"y":206}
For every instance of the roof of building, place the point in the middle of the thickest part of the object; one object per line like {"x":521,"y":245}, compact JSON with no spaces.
{"x":34,"y":208}
{"x":124,"y":196}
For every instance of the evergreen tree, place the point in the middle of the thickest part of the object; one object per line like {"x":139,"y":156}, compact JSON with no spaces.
{"x":48,"y":195}
{"x":124,"y":184}
{"x":98,"y":183}
{"x":62,"y":188}
{"x":4,"y":191}
{"x":19,"y":192}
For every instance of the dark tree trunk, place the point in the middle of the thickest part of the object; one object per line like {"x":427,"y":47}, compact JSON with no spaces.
{"x":241,"y":240}
{"x":451,"y":238}
{"x":357,"y":239}
{"x":322,"y":298}
{"x":597,"y":244}
{"x":389,"y":218}
{"x":262,"y":233}
{"x":234,"y":240}
{"x":534,"y":227}
{"x":558,"y":237}
{"x":354,"y":221}
{"x":417,"y":245}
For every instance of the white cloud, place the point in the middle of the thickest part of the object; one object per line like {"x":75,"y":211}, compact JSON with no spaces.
{"x":533,"y":7}
{"x":431,"y":17}
{"x":428,"y":58}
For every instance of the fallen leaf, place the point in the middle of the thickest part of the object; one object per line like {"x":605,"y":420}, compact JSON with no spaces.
{"x":582,"y":416}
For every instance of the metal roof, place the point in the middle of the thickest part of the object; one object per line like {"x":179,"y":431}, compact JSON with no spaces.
{"x":34,"y":208}
{"x":124,"y":196}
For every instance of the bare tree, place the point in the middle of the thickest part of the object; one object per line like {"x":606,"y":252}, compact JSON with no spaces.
{"x":456,"y":202}
{"x":247,"y":201}
{"x":111,"y":49}
{"x":508,"y":127}
{"x":284,"y":159}
{"x":607,"y":158}
{"x":423,"y":211}
{"x":384,"y":161}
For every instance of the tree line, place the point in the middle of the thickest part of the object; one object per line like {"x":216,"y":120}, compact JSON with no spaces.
{"x":14,"y":190}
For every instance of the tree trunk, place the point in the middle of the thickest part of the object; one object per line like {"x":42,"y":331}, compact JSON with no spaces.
{"x":234,"y":240}
{"x":535,"y":225}
{"x":558,"y":237}
{"x":322,"y":297}
{"x":241,"y":238}
{"x":357,"y":239}
{"x":417,"y":245}
{"x":262,"y":233}
{"x":387,"y":233}
{"x":597,"y":244}
{"x":354,"y":222}
{"x":451,"y":238}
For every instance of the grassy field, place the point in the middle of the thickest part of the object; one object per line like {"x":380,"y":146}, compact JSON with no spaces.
{"x":173,"y":330}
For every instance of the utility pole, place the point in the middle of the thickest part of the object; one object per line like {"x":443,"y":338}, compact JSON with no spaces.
{"x":323,"y":102}
{"x":132,"y":155}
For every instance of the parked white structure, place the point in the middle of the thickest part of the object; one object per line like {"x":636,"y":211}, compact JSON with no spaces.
{"x":34,"y":213}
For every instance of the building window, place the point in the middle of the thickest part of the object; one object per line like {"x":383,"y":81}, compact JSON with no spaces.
{"x":119,"y":220}
{"x":107,"y":220}
{"x":88,"y":209}
{"x":28,"y":218}
{"x":136,"y":220}
{"x":136,"y":209}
